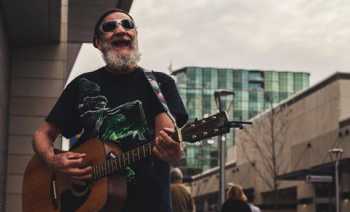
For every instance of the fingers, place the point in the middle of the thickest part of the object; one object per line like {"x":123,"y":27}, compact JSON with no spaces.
{"x":166,"y":148}
{"x":169,"y":130}
{"x":166,"y":142}
{"x":68,"y":159}
{"x":75,"y":155}
{"x":79,"y":171}
{"x":73,"y":164}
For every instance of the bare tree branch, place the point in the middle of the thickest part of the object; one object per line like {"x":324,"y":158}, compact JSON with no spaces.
{"x":267,"y":138}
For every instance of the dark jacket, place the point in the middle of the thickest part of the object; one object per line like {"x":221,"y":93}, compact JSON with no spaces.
{"x":231,"y":205}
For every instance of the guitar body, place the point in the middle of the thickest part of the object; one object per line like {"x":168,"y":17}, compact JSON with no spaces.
{"x":48,"y":191}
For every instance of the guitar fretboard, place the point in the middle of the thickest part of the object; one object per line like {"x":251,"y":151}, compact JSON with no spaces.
{"x":121,"y":161}
{"x":192,"y":132}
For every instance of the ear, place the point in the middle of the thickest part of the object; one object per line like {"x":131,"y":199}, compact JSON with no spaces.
{"x":97,"y":43}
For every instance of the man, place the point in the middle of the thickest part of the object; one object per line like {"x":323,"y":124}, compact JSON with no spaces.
{"x":88,"y":100}
{"x":181,"y":198}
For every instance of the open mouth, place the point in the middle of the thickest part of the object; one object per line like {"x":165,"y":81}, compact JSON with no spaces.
{"x":122,"y":43}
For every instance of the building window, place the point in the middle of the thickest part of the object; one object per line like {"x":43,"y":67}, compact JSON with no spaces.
{"x":256,"y":86}
{"x":206,"y":104}
{"x":207,"y":78}
{"x":222,"y":79}
{"x":256,"y":76}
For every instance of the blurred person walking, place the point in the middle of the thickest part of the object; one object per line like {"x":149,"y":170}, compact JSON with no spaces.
{"x":236,"y":201}
{"x":181,"y":198}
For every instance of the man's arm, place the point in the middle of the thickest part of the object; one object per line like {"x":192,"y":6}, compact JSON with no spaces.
{"x":43,"y":139}
{"x":69,"y":163}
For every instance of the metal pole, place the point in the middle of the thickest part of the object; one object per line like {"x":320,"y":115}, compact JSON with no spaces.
{"x":221,"y":146}
{"x":337,"y":185}
{"x":221,"y":143}
{"x":221,"y":159}
{"x":336,"y":154}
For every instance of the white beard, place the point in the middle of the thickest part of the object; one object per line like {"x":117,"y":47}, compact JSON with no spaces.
{"x":120,"y":62}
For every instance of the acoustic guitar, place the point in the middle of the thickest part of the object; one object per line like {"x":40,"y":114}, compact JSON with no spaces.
{"x":45,"y":190}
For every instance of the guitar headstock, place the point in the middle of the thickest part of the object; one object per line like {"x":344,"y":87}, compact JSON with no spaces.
{"x":205,"y":128}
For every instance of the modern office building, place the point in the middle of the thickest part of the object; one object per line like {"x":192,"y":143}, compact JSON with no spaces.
{"x":39,"y":43}
{"x":317,"y":124}
{"x":255,"y":91}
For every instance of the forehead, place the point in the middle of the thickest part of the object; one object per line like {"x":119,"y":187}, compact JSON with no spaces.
{"x":116,"y":15}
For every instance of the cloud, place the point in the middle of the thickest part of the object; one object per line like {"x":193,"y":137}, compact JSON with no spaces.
{"x":300,"y":35}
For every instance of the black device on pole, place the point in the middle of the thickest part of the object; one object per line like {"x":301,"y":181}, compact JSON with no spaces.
{"x":218,"y":94}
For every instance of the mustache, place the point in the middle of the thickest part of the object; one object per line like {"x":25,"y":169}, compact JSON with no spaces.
{"x":121,"y":36}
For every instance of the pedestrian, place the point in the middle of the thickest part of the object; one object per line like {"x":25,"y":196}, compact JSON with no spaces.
{"x":236,"y":200}
{"x":181,"y":198}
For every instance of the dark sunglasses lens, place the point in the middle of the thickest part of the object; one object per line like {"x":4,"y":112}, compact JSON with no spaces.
{"x":127,"y":24}
{"x":109,"y":26}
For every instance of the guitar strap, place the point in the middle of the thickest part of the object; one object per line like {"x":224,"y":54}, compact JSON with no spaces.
{"x":155,"y":86}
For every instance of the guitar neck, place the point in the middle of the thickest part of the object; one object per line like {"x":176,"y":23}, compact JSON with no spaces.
{"x":121,"y":161}
{"x":195,"y":131}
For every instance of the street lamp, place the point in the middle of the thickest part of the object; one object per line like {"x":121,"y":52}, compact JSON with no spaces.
{"x":336,"y":155}
{"x":221,"y":145}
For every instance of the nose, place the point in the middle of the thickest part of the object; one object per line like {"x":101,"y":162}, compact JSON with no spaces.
{"x":119,"y":29}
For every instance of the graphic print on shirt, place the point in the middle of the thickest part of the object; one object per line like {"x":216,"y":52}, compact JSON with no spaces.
{"x":124,"y":124}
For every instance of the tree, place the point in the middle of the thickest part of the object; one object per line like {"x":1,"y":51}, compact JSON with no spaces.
{"x":263,"y":144}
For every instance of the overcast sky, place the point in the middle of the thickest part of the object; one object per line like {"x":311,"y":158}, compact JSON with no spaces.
{"x":290,"y":35}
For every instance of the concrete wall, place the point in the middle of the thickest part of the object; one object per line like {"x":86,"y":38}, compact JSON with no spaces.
{"x":345,"y":99}
{"x":38,"y":77}
{"x":4,"y":88}
{"x":312,"y":128}
{"x":313,"y":125}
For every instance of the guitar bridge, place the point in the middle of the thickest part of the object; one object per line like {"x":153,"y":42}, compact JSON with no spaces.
{"x":53,"y":192}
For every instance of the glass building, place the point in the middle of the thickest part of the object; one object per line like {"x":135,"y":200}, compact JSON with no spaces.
{"x":255,"y":91}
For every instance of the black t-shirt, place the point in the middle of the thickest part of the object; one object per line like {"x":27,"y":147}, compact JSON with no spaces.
{"x":83,"y":106}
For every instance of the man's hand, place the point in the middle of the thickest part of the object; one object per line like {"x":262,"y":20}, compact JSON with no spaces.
{"x":166,"y":148}
{"x":71,"y":164}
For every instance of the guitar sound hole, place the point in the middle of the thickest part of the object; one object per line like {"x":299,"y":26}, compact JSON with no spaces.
{"x":80,"y":188}
{"x":72,"y":199}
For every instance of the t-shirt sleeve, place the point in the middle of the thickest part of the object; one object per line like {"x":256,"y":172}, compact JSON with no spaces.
{"x":173,"y":99}
{"x":65,"y":114}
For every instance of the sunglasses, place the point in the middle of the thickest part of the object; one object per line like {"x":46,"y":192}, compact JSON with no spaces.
{"x":110,"y":26}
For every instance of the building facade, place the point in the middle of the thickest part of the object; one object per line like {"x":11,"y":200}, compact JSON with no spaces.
{"x":255,"y":91}
{"x":317,"y":120}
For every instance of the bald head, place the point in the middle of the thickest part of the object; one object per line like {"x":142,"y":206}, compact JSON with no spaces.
{"x":176,"y":175}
